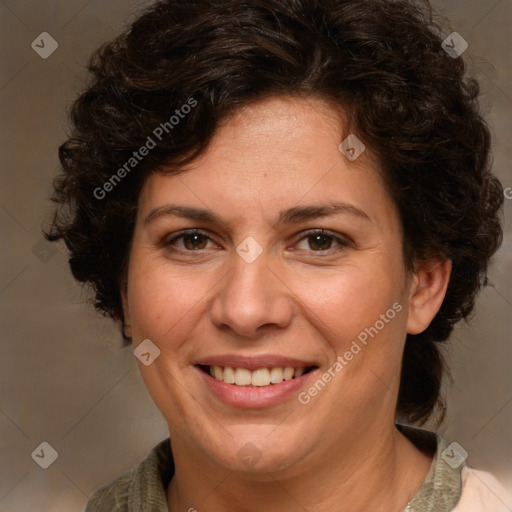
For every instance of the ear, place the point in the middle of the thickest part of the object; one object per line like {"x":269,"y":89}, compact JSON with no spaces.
{"x":427,"y":292}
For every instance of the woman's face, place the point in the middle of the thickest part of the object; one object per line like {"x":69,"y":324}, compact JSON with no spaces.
{"x":257,"y":287}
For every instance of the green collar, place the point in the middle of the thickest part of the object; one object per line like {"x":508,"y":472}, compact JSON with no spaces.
{"x":442,"y":488}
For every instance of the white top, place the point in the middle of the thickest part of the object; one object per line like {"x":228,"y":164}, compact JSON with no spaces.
{"x":481,"y":492}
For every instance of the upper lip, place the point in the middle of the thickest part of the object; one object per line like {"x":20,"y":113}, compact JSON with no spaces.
{"x":253,"y":362}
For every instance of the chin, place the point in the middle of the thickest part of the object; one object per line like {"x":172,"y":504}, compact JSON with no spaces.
{"x":260,"y":452}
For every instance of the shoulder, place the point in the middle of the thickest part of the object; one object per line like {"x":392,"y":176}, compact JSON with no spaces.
{"x":481,"y":492}
{"x":452,"y":484}
{"x":141,"y":486}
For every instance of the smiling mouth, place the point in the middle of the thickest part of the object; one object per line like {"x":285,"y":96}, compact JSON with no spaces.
{"x":256,"y":378}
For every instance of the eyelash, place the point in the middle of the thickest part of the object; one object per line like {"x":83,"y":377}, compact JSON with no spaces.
{"x":341,"y":241}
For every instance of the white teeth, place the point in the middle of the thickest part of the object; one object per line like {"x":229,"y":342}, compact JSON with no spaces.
{"x":219,"y":374}
{"x":276,"y":375}
{"x":260,"y":377}
{"x":288,"y":373}
{"x":242,"y":377}
{"x":229,"y":375}
{"x":298,"y":372}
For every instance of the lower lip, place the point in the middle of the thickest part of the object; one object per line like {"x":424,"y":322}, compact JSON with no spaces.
{"x":253,"y":397}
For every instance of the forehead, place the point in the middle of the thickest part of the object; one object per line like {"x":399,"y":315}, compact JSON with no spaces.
{"x":278,"y":152}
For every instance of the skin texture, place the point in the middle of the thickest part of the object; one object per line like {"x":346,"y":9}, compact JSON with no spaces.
{"x":294,"y":300}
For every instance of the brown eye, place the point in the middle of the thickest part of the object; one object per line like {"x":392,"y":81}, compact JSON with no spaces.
{"x":192,"y":241}
{"x":319,"y":241}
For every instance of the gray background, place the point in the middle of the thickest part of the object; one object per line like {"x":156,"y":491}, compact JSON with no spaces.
{"x":64,"y":379}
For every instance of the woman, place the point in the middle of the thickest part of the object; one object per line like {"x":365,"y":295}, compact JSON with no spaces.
{"x":288,"y":204}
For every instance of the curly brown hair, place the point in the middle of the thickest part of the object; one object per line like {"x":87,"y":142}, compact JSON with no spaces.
{"x":381,"y":61}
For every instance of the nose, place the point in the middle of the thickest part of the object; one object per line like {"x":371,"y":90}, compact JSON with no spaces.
{"x":252,"y":300}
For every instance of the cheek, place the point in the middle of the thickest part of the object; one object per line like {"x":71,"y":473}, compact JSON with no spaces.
{"x":163,"y":299}
{"x":350,"y":300}
{"x":361,"y":315}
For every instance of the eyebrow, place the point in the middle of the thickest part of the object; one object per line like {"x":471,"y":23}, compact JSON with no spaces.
{"x":290,"y":216}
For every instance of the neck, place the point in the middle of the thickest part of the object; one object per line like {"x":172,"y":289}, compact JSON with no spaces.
{"x":380,"y":470}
